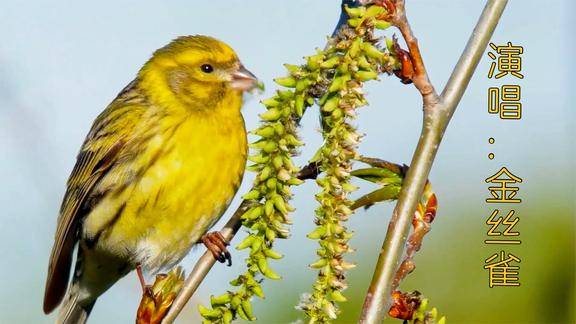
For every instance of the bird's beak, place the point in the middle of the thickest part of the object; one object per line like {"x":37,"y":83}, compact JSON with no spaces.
{"x":243,"y":80}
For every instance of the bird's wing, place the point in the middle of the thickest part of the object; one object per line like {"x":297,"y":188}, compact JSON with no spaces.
{"x":100,"y":150}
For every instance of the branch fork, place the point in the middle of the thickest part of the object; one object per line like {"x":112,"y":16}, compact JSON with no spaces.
{"x":438,"y":111}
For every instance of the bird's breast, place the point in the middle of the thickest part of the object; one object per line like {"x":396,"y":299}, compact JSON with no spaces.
{"x":187,"y":175}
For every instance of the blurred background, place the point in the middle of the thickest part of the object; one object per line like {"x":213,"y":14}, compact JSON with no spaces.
{"x":62,"y":62}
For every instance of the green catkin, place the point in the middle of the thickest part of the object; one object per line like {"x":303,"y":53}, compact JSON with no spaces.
{"x":267,"y":219}
{"x":359,"y":60}
{"x":321,"y":76}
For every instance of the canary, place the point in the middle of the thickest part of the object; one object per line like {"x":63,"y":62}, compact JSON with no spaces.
{"x":158,"y":168}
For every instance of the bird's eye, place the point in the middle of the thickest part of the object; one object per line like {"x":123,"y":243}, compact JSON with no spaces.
{"x":207,"y":68}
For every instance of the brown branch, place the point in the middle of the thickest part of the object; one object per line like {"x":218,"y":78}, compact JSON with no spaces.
{"x":420,"y":78}
{"x":437,"y":114}
{"x":421,"y":225}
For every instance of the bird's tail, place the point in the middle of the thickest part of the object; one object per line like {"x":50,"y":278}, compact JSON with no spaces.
{"x":73,"y":310}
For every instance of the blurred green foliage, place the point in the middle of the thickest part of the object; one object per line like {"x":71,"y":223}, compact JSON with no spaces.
{"x":449,"y":269}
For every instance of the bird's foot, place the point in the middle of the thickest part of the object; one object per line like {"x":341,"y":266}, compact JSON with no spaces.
{"x":216,"y":243}
{"x":146,"y":289}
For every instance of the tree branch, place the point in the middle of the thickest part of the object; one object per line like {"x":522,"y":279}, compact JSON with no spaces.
{"x":437,"y":115}
{"x":420,"y":79}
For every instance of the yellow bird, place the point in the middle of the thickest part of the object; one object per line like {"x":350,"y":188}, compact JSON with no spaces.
{"x":158,"y":168}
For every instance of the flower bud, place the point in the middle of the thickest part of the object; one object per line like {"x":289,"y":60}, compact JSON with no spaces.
{"x":288,"y":82}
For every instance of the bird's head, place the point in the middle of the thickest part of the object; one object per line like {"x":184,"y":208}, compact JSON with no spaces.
{"x":197,"y":71}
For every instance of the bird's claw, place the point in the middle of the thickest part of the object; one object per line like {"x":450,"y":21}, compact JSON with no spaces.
{"x":216,"y":244}
{"x":148,"y":291}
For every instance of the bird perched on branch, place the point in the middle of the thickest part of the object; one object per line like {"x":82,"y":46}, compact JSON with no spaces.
{"x":158,"y":168}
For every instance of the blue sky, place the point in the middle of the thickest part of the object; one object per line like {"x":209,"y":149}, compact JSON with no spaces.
{"x":62,"y":62}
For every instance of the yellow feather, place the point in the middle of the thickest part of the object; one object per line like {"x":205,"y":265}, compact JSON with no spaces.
{"x":196,"y":172}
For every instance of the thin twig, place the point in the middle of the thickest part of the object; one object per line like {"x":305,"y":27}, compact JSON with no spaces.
{"x":420,"y":79}
{"x":437,"y":115}
{"x":421,"y":225}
